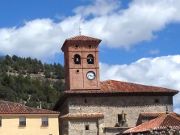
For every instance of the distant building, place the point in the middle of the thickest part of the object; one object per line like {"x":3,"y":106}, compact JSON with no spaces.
{"x":91,"y":107}
{"x":18,"y":119}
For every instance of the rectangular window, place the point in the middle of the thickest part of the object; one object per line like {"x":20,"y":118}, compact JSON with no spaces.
{"x":45,"y":121}
{"x":22,"y":121}
{"x":120,"y":118}
{"x":86,"y":127}
{"x":122,"y":121}
{"x":0,"y":121}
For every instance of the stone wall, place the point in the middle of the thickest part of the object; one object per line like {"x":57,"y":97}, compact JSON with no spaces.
{"x":78,"y":127}
{"x":112,"y":106}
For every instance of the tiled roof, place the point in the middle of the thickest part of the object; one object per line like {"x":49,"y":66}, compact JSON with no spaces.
{"x":82,"y":116}
{"x":162,"y":122}
{"x":80,"y":38}
{"x":83,"y":38}
{"x":112,"y":86}
{"x":156,"y":114}
{"x":147,"y":116}
{"x":7,"y":107}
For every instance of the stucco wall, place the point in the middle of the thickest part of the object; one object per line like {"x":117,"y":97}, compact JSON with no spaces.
{"x":10,"y":126}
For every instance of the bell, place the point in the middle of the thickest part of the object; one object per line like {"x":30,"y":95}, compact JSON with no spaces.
{"x":77,"y":59}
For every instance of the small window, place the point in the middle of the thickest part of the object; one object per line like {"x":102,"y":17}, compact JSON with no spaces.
{"x":45,"y":121}
{"x":86,"y":127}
{"x":76,"y":46}
{"x":22,"y":121}
{"x":90,"y":59}
{"x":77,"y":59}
{"x":156,"y":101}
{"x":0,"y":121}
{"x":77,"y":71}
{"x":120,"y":118}
{"x":85,"y":100}
{"x":90,"y":46}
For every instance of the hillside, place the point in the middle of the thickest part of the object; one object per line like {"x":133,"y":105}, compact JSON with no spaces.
{"x":31,"y":82}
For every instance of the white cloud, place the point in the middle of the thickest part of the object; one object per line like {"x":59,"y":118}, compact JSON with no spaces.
{"x":137,"y":23}
{"x":99,"y":8}
{"x":105,"y":19}
{"x":38,"y":38}
{"x":161,"y":71}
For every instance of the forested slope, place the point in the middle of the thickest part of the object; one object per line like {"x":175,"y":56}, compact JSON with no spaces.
{"x":29,"y":81}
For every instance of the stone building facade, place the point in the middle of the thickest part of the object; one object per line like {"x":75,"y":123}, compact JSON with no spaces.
{"x":110,"y":107}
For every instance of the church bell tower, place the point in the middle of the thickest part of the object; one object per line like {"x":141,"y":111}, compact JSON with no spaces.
{"x":81,"y":63}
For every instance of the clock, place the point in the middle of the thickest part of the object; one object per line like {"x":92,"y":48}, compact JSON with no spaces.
{"x":90,"y":75}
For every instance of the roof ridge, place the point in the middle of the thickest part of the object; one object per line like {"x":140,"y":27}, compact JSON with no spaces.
{"x":134,"y":83}
{"x":77,"y":37}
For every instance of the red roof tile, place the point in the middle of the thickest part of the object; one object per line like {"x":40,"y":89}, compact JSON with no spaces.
{"x":156,"y":114}
{"x":7,"y":107}
{"x":161,"y":122}
{"x":80,"y":38}
{"x":147,"y":116}
{"x":112,"y":86}
{"x":83,"y":38}
{"x":82,"y":116}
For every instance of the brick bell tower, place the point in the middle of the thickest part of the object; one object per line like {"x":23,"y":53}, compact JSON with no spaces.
{"x":81,"y":63}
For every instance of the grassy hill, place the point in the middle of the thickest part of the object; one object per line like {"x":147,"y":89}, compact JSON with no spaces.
{"x":31,"y":82}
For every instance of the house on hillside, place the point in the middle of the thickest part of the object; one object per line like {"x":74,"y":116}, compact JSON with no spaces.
{"x":91,"y":107}
{"x":18,"y":119}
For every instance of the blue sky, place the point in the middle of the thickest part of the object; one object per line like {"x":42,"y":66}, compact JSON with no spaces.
{"x":139,"y":37}
{"x":15,"y":13}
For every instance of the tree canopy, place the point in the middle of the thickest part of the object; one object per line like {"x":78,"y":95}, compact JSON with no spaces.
{"x":30,"y":81}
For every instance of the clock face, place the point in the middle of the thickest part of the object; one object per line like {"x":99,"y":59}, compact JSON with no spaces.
{"x":91,"y":75}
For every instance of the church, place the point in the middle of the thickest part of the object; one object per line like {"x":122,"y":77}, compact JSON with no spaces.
{"x":91,"y":107}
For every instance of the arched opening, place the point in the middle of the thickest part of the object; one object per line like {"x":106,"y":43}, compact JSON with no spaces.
{"x":90,"y":59}
{"x":77,"y":59}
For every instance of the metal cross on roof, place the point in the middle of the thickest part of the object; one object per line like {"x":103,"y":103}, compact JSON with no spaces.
{"x":80,"y":29}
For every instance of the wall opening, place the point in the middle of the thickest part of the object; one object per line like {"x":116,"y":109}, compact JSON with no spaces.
{"x":22,"y":121}
{"x":156,"y":101}
{"x":122,"y":121}
{"x":76,"y":46}
{"x":86,"y":127}
{"x":85,"y":100}
{"x":77,"y":59}
{"x":90,"y":59}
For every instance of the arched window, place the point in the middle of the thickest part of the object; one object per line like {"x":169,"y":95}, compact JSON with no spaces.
{"x":77,"y":59}
{"x":90,"y":59}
